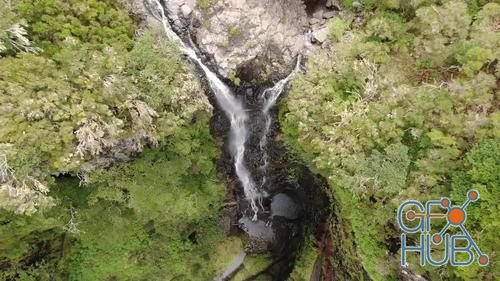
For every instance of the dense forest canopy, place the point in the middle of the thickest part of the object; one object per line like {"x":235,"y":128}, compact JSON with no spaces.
{"x":79,"y":92}
{"x":405,"y":106}
{"x":107,"y":162}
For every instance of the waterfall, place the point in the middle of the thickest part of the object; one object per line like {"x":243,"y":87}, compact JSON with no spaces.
{"x":233,"y":109}
{"x":270,"y":97}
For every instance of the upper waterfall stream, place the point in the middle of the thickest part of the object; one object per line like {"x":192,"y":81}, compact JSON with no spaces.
{"x":235,"y":112}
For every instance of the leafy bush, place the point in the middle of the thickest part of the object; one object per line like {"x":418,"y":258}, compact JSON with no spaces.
{"x":90,"y":98}
{"x":337,"y":28}
{"x":149,"y":219}
{"x":95,"y":23}
{"x":63,"y":112}
{"x":158,"y":214}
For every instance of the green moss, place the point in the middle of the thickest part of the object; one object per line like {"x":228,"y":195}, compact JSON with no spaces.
{"x":225,"y":253}
{"x":235,"y":79}
{"x":206,"y":4}
{"x":252,"y":266}
{"x":233,"y":32}
{"x":304,"y":266}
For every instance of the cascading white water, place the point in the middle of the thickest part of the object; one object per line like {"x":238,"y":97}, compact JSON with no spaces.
{"x":270,"y":97}
{"x":232,"y":107}
{"x":234,"y":110}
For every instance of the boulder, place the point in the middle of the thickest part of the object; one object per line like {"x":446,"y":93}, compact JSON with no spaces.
{"x":321,"y":35}
{"x":186,"y":10}
{"x":329,"y":14}
{"x":318,"y":14}
{"x":284,"y":206}
{"x":257,"y":230}
{"x":313,"y":21}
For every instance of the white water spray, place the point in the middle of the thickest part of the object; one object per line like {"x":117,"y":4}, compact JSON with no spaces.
{"x":270,"y":97}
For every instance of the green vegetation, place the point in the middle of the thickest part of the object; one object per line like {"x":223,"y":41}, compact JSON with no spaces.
{"x":107,"y":163}
{"x":81,"y":101}
{"x":94,"y":23}
{"x":405,"y":106}
{"x":304,"y":266}
{"x":206,"y":4}
{"x":158,"y":215}
{"x":253,"y":265}
{"x":150,"y":219}
{"x":78,"y":96}
{"x":234,"y":78}
{"x":233,"y":32}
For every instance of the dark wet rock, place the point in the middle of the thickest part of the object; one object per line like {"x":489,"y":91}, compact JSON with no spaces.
{"x":284,"y":206}
{"x":329,"y":14}
{"x":229,"y":217}
{"x":257,"y":230}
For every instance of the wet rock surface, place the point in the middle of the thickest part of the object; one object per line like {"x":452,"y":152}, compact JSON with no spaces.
{"x":257,"y":230}
{"x":296,"y":201}
{"x":284,"y":206}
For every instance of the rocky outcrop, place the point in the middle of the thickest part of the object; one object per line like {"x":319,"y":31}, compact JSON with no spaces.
{"x":254,"y":40}
{"x":258,"y":39}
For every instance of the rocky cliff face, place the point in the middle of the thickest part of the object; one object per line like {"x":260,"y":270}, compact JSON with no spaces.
{"x":255,"y":40}
{"x":258,"y":39}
